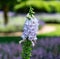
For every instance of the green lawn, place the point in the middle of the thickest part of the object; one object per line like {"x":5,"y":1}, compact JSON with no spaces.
{"x":54,"y":33}
{"x":14,"y":24}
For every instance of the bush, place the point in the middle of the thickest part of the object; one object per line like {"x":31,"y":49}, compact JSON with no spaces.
{"x":39,"y":6}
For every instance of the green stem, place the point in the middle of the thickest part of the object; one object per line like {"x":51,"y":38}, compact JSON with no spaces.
{"x":26,"y":49}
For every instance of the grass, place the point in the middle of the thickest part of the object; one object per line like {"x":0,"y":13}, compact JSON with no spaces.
{"x":9,"y":39}
{"x":15,"y":23}
{"x":54,"y":33}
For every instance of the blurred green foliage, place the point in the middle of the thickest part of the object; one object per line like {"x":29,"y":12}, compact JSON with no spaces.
{"x":9,"y":3}
{"x":40,"y":5}
{"x":5,"y":6}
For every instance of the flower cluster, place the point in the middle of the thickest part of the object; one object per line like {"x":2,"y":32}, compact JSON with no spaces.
{"x":47,"y":48}
{"x":10,"y":50}
{"x":30,"y":29}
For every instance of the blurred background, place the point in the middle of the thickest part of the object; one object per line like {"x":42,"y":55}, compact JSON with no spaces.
{"x":12,"y":18}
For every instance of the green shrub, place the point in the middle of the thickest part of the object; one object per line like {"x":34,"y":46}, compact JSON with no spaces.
{"x":46,"y":6}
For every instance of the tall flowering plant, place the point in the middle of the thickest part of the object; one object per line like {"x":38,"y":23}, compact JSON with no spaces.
{"x":29,"y":34}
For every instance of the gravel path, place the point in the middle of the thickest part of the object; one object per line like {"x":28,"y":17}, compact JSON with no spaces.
{"x":47,"y":29}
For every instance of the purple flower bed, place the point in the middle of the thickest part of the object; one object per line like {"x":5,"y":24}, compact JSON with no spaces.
{"x":46,"y":48}
{"x":10,"y":51}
